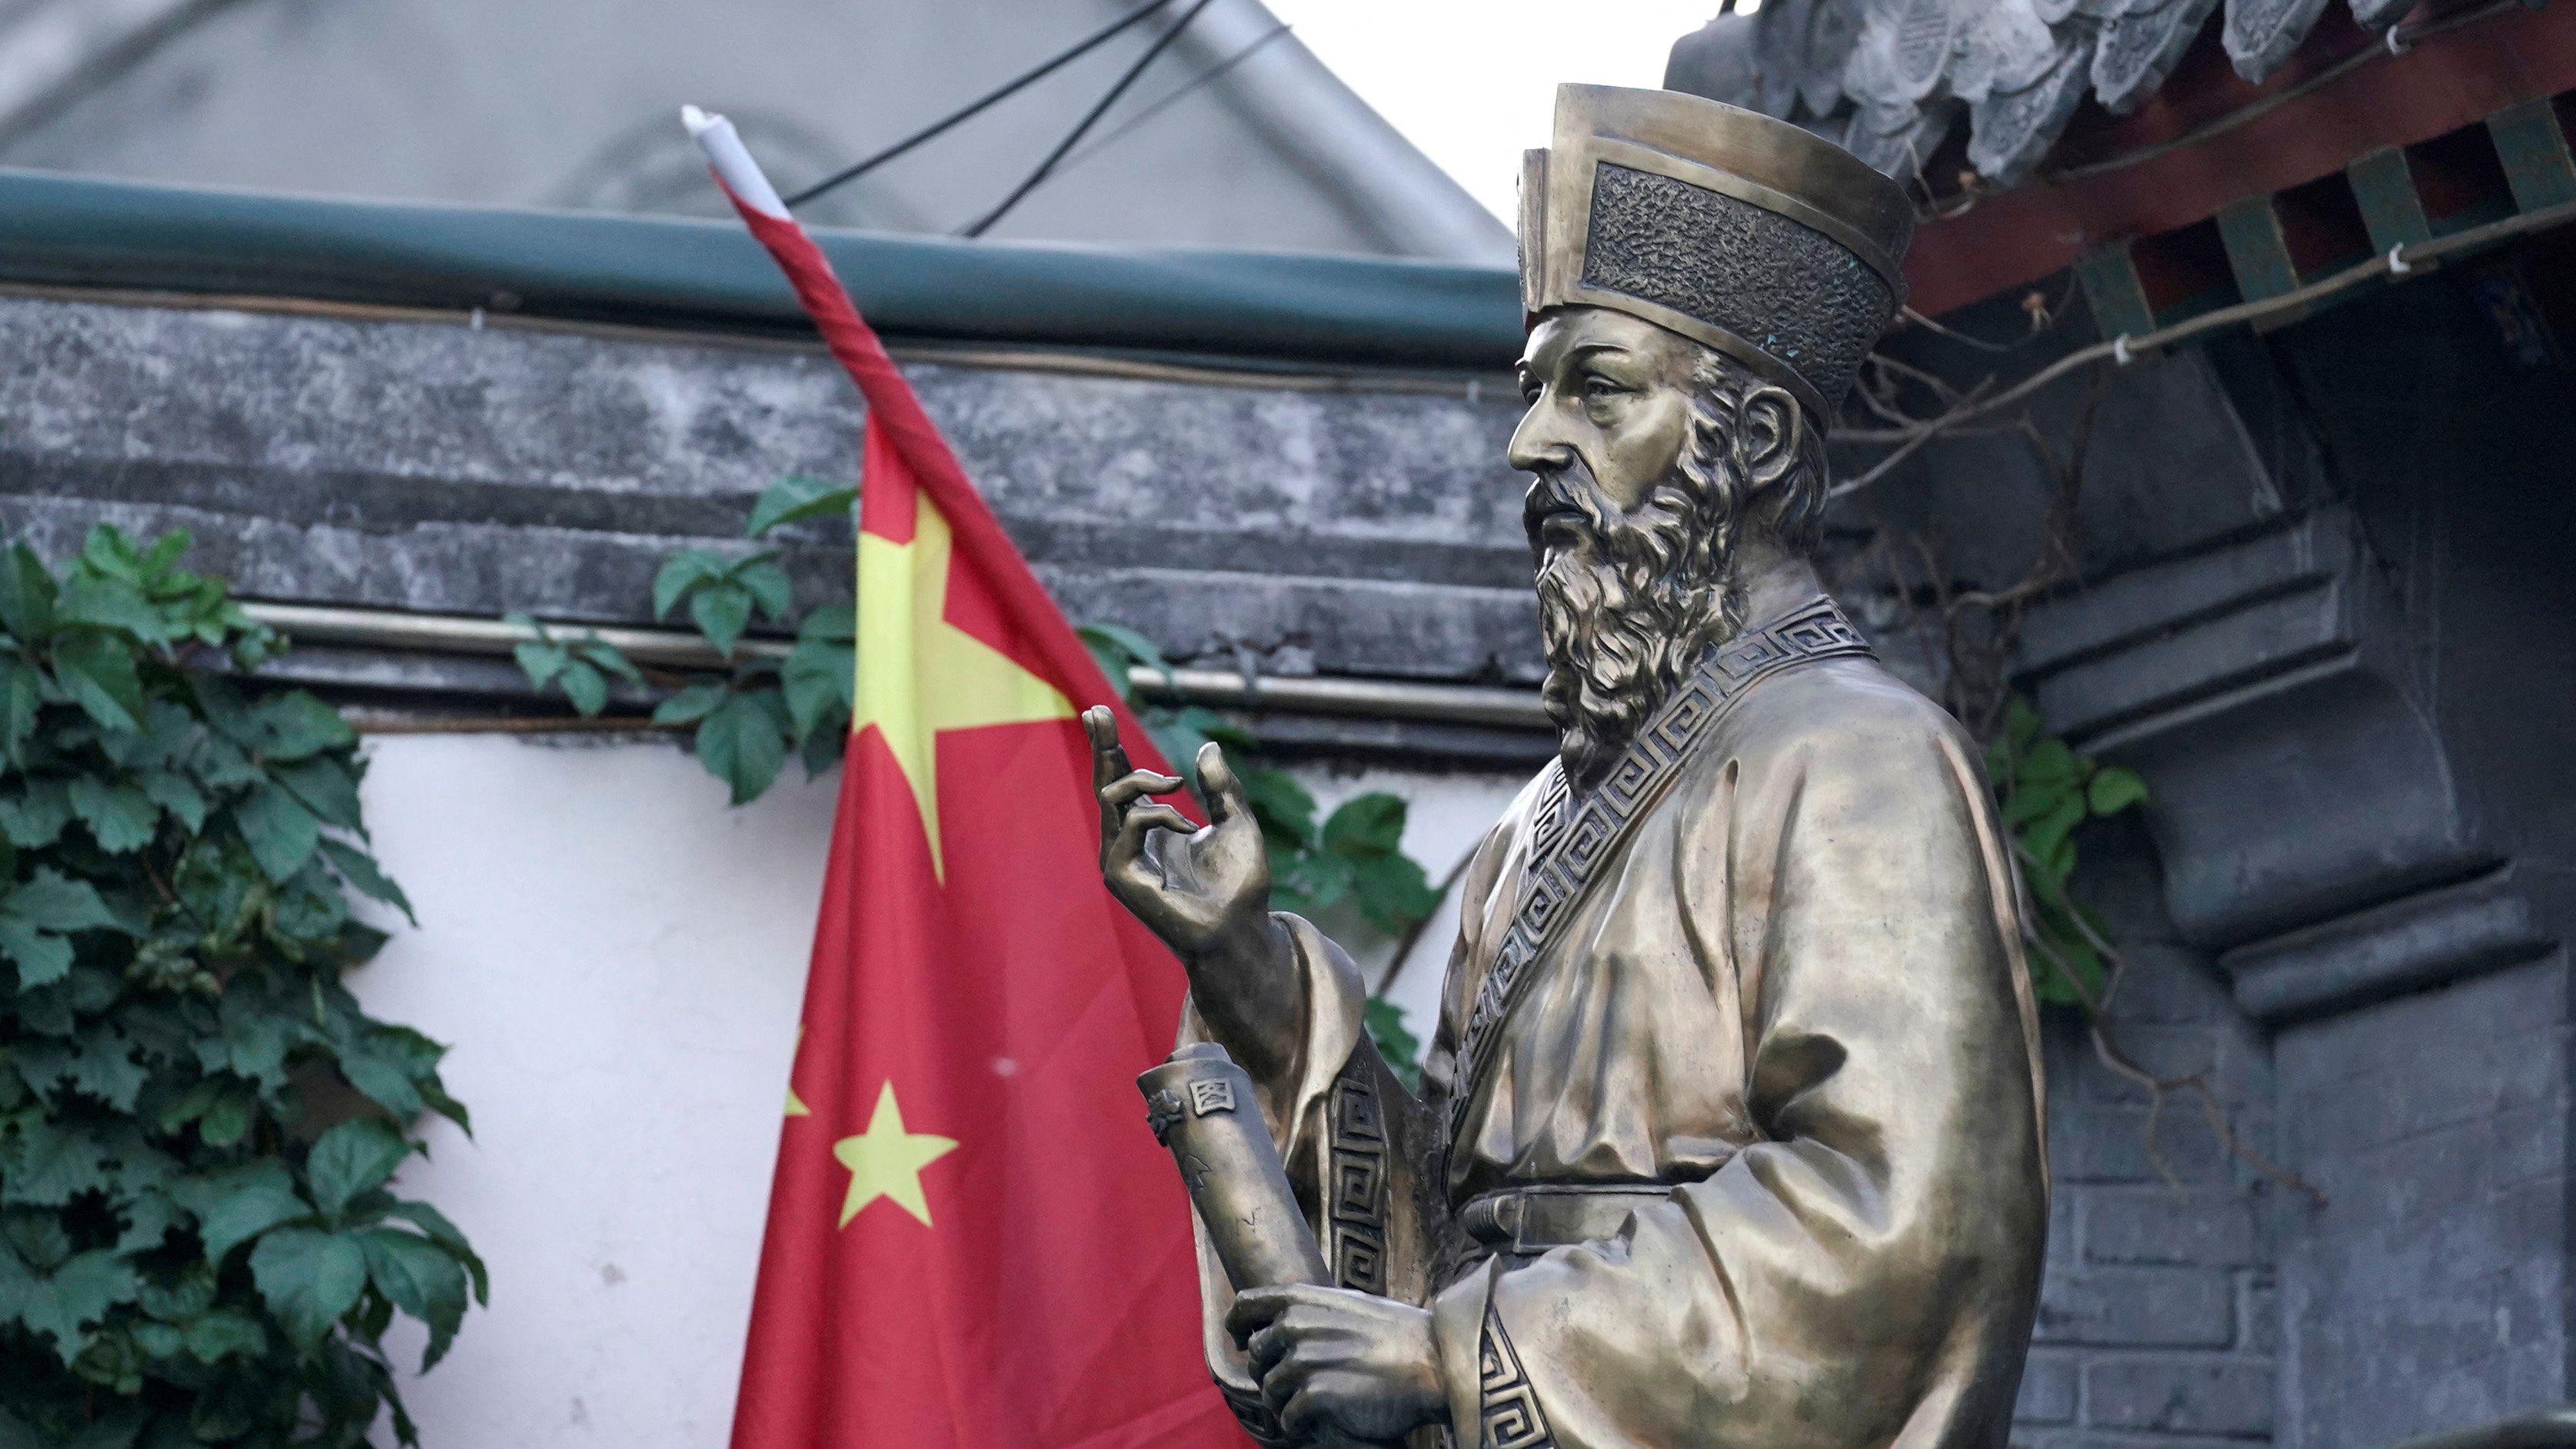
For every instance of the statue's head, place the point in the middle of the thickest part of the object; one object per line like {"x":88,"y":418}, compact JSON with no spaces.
{"x":1701,"y":284}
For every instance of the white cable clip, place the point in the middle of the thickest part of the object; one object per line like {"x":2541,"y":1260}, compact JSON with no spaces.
{"x":2398,"y":266}
{"x":478,"y":319}
{"x":2120,"y":350}
{"x":2396,"y":42}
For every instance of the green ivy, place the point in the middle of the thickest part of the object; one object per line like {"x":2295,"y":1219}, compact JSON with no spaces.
{"x":2047,"y":791}
{"x":199,"y":1128}
{"x":765,"y":708}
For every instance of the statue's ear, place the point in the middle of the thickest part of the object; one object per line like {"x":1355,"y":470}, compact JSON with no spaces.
{"x":1770,"y":432}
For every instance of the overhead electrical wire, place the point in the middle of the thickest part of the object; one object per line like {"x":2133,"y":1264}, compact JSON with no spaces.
{"x":1083,"y":127}
{"x":976,"y":107}
{"x":1149,"y":112}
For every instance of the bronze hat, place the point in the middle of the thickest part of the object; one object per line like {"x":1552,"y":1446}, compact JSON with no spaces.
{"x":1772,"y":245}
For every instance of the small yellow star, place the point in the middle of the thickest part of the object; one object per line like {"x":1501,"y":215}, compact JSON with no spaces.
{"x":886,"y":1161}
{"x":920,"y":676}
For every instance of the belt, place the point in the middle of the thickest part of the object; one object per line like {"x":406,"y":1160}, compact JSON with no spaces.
{"x":1535,"y":1219}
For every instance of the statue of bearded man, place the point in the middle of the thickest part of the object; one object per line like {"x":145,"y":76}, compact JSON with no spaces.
{"x":1730,"y":1132}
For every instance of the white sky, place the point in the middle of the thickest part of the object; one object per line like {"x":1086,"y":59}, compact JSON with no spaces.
{"x":1473,"y":82}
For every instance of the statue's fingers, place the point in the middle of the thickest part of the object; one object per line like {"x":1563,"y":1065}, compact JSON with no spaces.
{"x":1108,"y":755}
{"x":1118,"y":794}
{"x":1219,"y":785}
{"x":1254,"y":1308}
{"x":1266,"y":1348}
{"x":1144,"y":820}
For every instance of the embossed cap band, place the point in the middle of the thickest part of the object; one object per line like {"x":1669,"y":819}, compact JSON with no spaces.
{"x":1759,"y":239}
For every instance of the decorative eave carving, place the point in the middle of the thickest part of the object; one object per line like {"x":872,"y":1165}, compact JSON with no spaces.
{"x":1890,"y":78}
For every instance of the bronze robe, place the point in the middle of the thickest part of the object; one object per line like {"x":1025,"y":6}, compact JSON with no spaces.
{"x":1791,"y":1020}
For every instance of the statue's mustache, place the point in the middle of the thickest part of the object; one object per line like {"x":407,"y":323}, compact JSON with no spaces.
{"x":1564,"y":494}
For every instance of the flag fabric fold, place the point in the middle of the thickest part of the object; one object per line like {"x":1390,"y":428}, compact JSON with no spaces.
{"x":973,"y":1239}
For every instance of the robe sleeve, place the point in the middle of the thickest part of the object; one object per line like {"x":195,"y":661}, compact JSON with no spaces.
{"x":1866,"y":1272}
{"x":1353,"y":1139}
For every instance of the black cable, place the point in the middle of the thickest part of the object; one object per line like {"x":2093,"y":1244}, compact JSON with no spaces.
{"x":1151,"y":111}
{"x":1074,"y":137}
{"x":974,"y":107}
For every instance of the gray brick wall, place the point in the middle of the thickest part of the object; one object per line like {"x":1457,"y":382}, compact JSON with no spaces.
{"x":2157,"y":1320}
{"x":2431,"y":1290}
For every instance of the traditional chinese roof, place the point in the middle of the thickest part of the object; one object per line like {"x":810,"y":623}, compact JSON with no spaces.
{"x":1890,"y":79}
{"x":2038,"y":132}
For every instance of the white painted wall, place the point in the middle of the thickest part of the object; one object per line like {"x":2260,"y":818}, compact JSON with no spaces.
{"x":616,"y":958}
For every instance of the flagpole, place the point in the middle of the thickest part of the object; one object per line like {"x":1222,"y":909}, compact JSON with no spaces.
{"x":894,"y":407}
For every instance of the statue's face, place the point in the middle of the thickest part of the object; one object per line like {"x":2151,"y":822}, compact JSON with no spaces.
{"x":1607,"y":391}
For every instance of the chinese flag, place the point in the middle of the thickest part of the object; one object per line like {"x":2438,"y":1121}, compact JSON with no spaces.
{"x":973,"y":1239}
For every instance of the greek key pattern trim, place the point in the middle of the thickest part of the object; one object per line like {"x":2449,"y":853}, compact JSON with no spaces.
{"x":1567,"y":856}
{"x":1355,"y":1187}
{"x":1507,"y":1411}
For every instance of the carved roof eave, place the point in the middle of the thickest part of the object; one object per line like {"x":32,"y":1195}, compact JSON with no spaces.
{"x":1890,"y":78}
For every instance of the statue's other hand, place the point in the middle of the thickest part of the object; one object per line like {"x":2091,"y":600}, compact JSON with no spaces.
{"x":1341,"y":1367}
{"x":1204,"y":889}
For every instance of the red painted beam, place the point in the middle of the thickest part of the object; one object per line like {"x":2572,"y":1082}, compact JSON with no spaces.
{"x":2454,"y":79}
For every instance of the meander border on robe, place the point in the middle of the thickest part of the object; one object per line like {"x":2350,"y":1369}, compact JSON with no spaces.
{"x":1566,"y":856}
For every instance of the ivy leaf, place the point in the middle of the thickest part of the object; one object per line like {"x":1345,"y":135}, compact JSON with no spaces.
{"x":605,"y":657}
{"x":1366,"y":825}
{"x":2048,"y":762}
{"x":1393,"y":894}
{"x":98,"y":669}
{"x":585,"y":686}
{"x":421,"y":1279}
{"x":360,"y":870}
{"x":26,"y":595}
{"x":721,"y":610}
{"x":743,"y":742}
{"x":819,"y":680}
{"x":2049,"y":832}
{"x":309,"y":1278}
{"x":219,"y":1336}
{"x":2113,"y":789}
{"x":327,"y":785}
{"x":444,"y":1233}
{"x":34,"y":812}
{"x":20,"y":695}
{"x":1283,"y":807}
{"x":354,"y":1157}
{"x":681,"y":572}
{"x":238,"y":1204}
{"x":35,"y":919}
{"x":281,"y":833}
{"x":107,"y":603}
{"x":383,"y":1080}
{"x":793,"y":500}
{"x":46,"y":1166}
{"x":1117,"y":648}
{"x":120,"y":817}
{"x":78,"y":1293}
{"x":175,"y":793}
{"x":540,"y":661}
{"x":767,"y":584}
{"x":690,"y":705}
{"x":294,"y":725}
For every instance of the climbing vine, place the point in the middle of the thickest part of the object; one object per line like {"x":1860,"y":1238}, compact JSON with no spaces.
{"x":200,"y":1237}
{"x":770,"y":704}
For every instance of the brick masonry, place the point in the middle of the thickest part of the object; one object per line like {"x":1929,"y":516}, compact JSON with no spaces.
{"x":2157,"y":1320}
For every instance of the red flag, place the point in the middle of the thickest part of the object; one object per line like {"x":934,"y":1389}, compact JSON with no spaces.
{"x":973,"y":1239}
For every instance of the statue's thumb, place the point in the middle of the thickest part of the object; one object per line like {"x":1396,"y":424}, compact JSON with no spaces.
{"x":1217,"y":785}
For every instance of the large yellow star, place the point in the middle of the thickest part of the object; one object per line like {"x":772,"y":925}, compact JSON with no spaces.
{"x":920,"y":675}
{"x":886,"y":1161}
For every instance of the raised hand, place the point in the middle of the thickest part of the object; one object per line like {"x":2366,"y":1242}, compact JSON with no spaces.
{"x":1204,"y":889}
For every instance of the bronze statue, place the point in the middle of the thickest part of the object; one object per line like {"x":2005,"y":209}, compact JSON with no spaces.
{"x":1730,"y":1131}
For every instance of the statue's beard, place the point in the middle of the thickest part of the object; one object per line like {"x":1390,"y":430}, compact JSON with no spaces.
{"x":1627,"y":599}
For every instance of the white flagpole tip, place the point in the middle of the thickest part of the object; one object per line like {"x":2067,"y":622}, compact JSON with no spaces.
{"x":733,"y":164}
